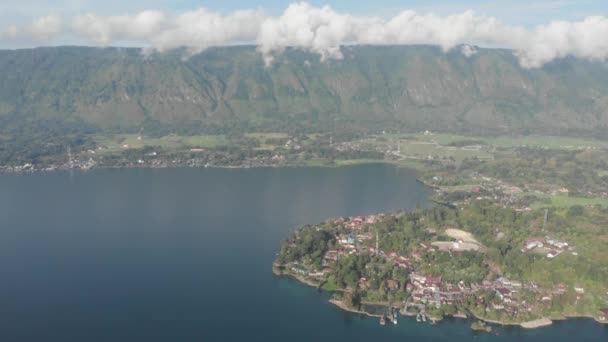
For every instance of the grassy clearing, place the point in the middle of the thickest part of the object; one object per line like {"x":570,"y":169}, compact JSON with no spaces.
{"x":205,"y":141}
{"x":123,"y":141}
{"x":350,"y":162}
{"x":422,"y":147}
{"x":503,"y":141}
{"x":342,"y":162}
{"x":563,"y":201}
{"x":264,"y":136}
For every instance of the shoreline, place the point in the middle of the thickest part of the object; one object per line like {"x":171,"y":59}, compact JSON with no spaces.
{"x":4,"y":170}
{"x":283,"y":273}
{"x":342,"y":306}
{"x":534,"y":324}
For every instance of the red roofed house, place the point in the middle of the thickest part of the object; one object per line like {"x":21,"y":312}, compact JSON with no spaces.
{"x":504,"y":294}
{"x":392,"y":284}
{"x":433,"y":280}
{"x":561,"y":289}
{"x":404,"y":264}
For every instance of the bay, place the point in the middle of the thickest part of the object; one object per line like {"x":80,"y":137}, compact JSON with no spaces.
{"x":185,"y":255}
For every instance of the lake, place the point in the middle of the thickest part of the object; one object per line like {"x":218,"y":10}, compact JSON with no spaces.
{"x":186,"y":254}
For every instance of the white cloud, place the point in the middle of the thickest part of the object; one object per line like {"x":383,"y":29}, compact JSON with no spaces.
{"x":584,"y":39}
{"x":40,"y":30}
{"x":320,"y":30}
{"x":468,"y":50}
{"x":323,"y":30}
{"x":46,"y":27}
{"x":202,"y":28}
{"x":106,"y":30}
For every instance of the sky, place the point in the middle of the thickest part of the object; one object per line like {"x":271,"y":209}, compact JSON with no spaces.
{"x":538,"y":31}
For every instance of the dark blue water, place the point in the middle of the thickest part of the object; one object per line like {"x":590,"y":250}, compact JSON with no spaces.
{"x":185,"y":255}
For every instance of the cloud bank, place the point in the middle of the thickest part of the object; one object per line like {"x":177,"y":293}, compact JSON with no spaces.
{"x":322,"y":30}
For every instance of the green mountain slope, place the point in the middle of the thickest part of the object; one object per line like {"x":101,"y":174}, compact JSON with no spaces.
{"x":407,"y":88}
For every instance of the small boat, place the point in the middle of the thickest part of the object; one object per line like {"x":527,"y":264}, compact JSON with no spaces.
{"x":395,"y":320}
{"x":418,"y":319}
{"x":424,"y":318}
{"x":382,"y":320}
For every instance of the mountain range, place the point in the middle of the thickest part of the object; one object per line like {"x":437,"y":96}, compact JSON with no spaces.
{"x":82,"y":89}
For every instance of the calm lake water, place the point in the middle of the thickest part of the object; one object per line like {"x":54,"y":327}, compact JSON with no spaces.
{"x":185,"y":255}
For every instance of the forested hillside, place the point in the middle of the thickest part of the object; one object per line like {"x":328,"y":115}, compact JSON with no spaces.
{"x":80,"y":90}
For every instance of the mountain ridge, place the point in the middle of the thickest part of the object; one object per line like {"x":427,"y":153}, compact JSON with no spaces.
{"x":231,"y":88}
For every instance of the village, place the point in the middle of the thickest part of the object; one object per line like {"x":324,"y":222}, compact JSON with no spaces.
{"x":494,"y":299}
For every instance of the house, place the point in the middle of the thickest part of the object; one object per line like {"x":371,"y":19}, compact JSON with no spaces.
{"x":560,"y":289}
{"x":603,"y":316}
{"x":504,"y":294}
{"x":392,"y":284}
{"x":433,"y":280}
{"x":533,"y":243}
{"x":546,"y":298}
{"x":418,"y":279}
{"x":363,"y":284}
{"x":347,"y":241}
{"x":358,"y":220}
{"x":426,"y":245}
{"x":404,"y":264}
{"x":498,"y":306}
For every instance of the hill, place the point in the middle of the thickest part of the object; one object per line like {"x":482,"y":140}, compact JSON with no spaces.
{"x":81,"y":89}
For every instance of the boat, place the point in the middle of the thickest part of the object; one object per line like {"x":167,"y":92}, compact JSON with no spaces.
{"x":424,"y":318}
{"x":418,"y":319}
{"x":395,"y":317}
{"x":382,"y":320}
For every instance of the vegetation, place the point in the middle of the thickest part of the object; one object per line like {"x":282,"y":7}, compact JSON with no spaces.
{"x":501,"y":234}
{"x":481,"y":326}
{"x":74,"y":92}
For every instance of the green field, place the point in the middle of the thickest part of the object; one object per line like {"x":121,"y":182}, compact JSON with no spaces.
{"x":422,"y":147}
{"x":564,"y":201}
{"x":264,"y":136}
{"x":133,"y":141}
{"x":350,"y":162}
{"x":503,"y":141}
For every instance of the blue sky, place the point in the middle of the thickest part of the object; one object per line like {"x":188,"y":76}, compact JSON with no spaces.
{"x":520,"y":12}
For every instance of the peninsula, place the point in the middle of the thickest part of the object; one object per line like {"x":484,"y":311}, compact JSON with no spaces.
{"x":479,"y":260}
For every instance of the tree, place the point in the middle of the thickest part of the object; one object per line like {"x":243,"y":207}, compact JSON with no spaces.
{"x":576,"y":210}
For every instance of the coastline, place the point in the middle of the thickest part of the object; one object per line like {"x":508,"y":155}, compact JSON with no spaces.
{"x":534,"y":324}
{"x":5,"y":169}
{"x":276,"y":270}
{"x":342,"y":306}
